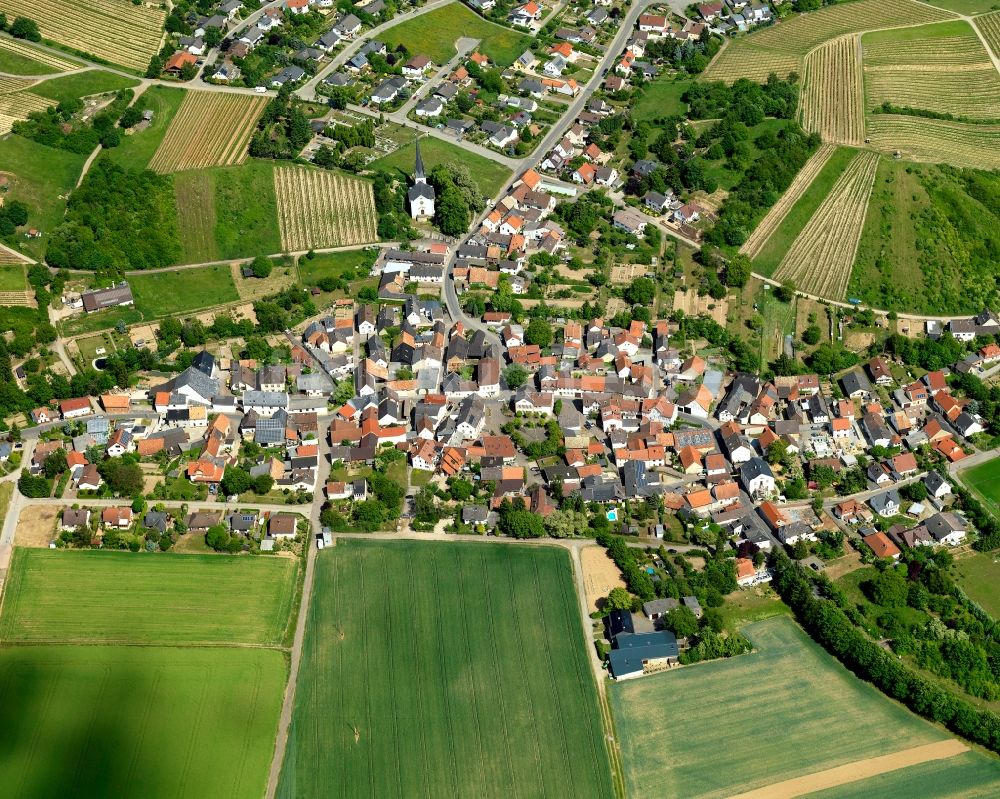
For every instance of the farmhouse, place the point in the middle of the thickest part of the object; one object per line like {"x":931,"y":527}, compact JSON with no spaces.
{"x":110,"y":297}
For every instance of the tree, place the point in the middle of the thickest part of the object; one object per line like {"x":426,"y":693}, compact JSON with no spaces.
{"x":682,"y":622}
{"x":235,"y":481}
{"x":33,"y":487}
{"x":640,"y":291}
{"x":515,"y":375}
{"x":460,"y":490}
{"x":25,"y":28}
{"x":785,"y":292}
{"x":125,"y":479}
{"x":618,"y":599}
{"x":217,"y":537}
{"x":452,"y":212}
{"x":889,"y":589}
{"x":539,"y":332}
{"x":812,"y":334}
{"x":55,"y":463}
{"x":263,"y":483}
{"x":425,"y":509}
{"x":261,"y":266}
{"x":738,"y":271}
{"x":368,"y":515}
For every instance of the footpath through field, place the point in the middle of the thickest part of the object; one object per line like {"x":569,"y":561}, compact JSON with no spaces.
{"x":858,"y":770}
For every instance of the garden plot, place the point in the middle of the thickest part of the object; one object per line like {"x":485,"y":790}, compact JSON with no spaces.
{"x":318,"y":209}
{"x":820,"y":259}
{"x":116,"y":31}
{"x":210,"y":129}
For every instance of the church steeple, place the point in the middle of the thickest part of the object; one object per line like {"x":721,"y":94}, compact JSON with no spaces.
{"x":418,"y":171}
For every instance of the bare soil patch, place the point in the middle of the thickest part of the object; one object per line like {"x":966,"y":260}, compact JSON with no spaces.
{"x":693,"y":305}
{"x":36,"y":526}
{"x":859,"y":770}
{"x":600,"y":575}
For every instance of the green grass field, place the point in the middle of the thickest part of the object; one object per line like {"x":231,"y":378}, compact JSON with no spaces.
{"x":17,"y":64}
{"x":967,"y":7}
{"x":777,"y":245}
{"x":136,"y":149}
{"x":94,"y":322}
{"x":435,"y":669}
{"x":660,"y":98}
{"x":966,"y":776}
{"x":730,"y":726}
{"x":331,"y":264}
{"x":13,"y":278}
{"x":488,"y":174}
{"x":227,"y":212}
{"x":984,"y":480}
{"x":433,"y":34}
{"x":111,"y":597}
{"x":164,"y":293}
{"x":166,"y":723}
{"x":81,"y":84}
{"x":979,"y":575}
{"x":41,"y":175}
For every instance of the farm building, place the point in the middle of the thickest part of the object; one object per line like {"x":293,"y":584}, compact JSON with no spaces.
{"x":120,"y":294}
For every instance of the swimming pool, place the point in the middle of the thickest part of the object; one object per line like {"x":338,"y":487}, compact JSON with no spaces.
{"x":612,"y":515}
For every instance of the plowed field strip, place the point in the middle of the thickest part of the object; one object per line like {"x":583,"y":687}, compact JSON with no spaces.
{"x":780,"y":209}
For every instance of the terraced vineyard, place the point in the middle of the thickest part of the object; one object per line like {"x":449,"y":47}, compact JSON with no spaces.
{"x":832,"y":96}
{"x":989,"y":26}
{"x":317,"y":209}
{"x":782,"y":47}
{"x":54,"y":62}
{"x":941,"y":68}
{"x":819,"y":261}
{"x":209,"y":129}
{"x":755,"y":243}
{"x":935,"y":140}
{"x":114,"y":30}
{"x":18,"y":105}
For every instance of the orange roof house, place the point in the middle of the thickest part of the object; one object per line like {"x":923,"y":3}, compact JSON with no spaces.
{"x":115,"y":403}
{"x":204,"y":472}
{"x":882,"y":546}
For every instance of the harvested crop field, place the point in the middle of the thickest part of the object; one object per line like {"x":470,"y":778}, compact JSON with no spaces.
{"x":120,"y":597}
{"x":10,"y":84}
{"x":600,"y":575}
{"x":820,"y":259}
{"x":116,"y":31}
{"x":942,"y":68}
{"x":445,"y":669}
{"x":210,"y":129}
{"x":156,"y":722}
{"x":777,"y":213}
{"x":781,"y":47}
{"x":813,"y":713}
{"x":832,"y":96}
{"x":35,"y":60}
{"x":318,"y":208}
{"x":17,"y":105}
{"x":936,"y":140}
{"x":989,"y":26}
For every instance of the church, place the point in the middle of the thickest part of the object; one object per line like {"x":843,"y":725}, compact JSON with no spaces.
{"x":421,"y":194}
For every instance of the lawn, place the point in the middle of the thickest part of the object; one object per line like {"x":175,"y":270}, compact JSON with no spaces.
{"x":13,"y":278}
{"x":121,"y":597}
{"x":786,"y":233}
{"x":701,"y":731}
{"x":102,"y":320}
{"x":101,"y":721}
{"x":966,"y":776}
{"x":433,"y":34}
{"x":167,"y":292}
{"x":82,"y":84}
{"x":42,"y":174}
{"x":136,"y":149}
{"x":979,"y":575}
{"x":333,"y":264}
{"x":444,"y":669}
{"x":661,"y":98}
{"x":488,"y":174}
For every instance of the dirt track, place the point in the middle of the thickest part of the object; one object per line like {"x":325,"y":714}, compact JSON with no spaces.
{"x":858,"y":770}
